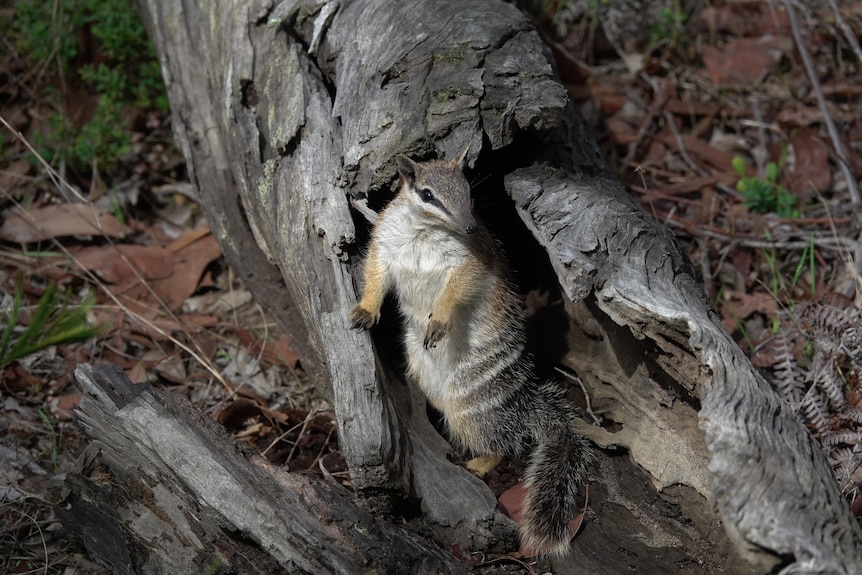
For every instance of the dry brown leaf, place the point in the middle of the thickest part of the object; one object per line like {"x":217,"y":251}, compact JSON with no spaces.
{"x":62,"y":406}
{"x":237,"y":412}
{"x":608,"y":97}
{"x":138,"y":372}
{"x":511,"y":503}
{"x":112,"y":262}
{"x":13,"y":175}
{"x":170,"y":277}
{"x":620,"y":131}
{"x":189,"y":265}
{"x":745,"y":61}
{"x":58,"y":220}
{"x":695,"y":184}
{"x":811,"y":167}
{"x":275,"y":352}
{"x":738,"y":306}
{"x":693,"y":108}
{"x":695,"y":147}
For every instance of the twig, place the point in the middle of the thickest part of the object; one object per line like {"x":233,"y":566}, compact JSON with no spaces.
{"x":759,"y":153}
{"x":846,"y":30}
{"x":668,"y":117}
{"x":319,"y":456}
{"x":829,"y":243}
{"x":361,"y":206}
{"x":508,"y":559}
{"x":655,"y":110}
{"x":41,"y":537}
{"x":574,"y":377}
{"x":852,"y":186}
{"x":303,"y":425}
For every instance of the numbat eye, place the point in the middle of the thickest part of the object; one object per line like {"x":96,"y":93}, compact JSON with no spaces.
{"x":427,"y":195}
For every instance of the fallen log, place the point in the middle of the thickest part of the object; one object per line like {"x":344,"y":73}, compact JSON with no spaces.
{"x":170,"y":492}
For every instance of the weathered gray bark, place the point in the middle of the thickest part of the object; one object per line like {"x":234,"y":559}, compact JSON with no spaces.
{"x":179,"y":487}
{"x":286,"y":109}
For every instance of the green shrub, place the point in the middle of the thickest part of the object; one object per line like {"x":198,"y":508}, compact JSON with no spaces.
{"x":765,"y":195}
{"x":99,"y":47}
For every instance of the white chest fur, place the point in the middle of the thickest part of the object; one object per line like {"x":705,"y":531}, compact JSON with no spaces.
{"x":419,"y":257}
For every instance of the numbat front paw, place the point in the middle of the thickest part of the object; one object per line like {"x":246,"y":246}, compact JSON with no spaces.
{"x":436,"y":330}
{"x":361,"y":318}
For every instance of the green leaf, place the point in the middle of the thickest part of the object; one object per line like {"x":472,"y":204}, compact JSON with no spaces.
{"x":738,"y":165}
{"x":772,"y":172}
{"x":53,"y":322}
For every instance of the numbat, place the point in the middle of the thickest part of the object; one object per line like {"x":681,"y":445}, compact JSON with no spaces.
{"x":465,"y":343}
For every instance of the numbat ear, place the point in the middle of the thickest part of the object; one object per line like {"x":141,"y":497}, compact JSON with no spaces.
{"x":458,"y":163}
{"x":407,"y":168}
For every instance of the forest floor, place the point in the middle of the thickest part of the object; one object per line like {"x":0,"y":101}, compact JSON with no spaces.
{"x":736,"y":125}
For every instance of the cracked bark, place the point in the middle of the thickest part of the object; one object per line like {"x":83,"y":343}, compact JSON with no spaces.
{"x":288,"y":112}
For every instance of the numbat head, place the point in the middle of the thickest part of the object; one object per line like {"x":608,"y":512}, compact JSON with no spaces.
{"x":465,"y":344}
{"x":440,"y":191}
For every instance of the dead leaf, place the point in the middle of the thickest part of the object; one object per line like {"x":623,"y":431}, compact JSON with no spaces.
{"x":694,"y":146}
{"x":168,"y":277}
{"x":275,"y":352}
{"x":190,"y":263}
{"x":738,"y":306}
{"x":745,"y":61}
{"x":693,"y":108}
{"x":742,"y":261}
{"x":609,"y":98}
{"x":620,"y":131}
{"x":172,"y":367}
{"x":13,"y":175}
{"x":841,"y":89}
{"x":116,"y":264}
{"x":16,"y":377}
{"x":188,"y":239}
{"x":511,"y":503}
{"x":741,"y":19}
{"x":62,"y":406}
{"x":58,"y":220}
{"x":811,"y":167}
{"x":138,"y":373}
{"x":792,"y":117}
{"x":695,"y":184}
{"x":233,"y":415}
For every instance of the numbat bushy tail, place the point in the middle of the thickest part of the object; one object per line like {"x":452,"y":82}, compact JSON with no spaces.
{"x":465,"y":343}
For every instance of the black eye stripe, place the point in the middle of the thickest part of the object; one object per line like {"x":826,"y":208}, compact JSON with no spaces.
{"x":431,"y":199}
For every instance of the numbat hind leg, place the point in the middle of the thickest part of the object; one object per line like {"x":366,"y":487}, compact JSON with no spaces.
{"x":483,"y":464}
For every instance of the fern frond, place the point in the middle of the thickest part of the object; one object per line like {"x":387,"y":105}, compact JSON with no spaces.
{"x":814,"y":408}
{"x":787,"y":375}
{"x":829,"y":319}
{"x":842,"y":437}
{"x":851,"y":344}
{"x":833,"y":384}
{"x":851,"y":413}
{"x":845,"y":462}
